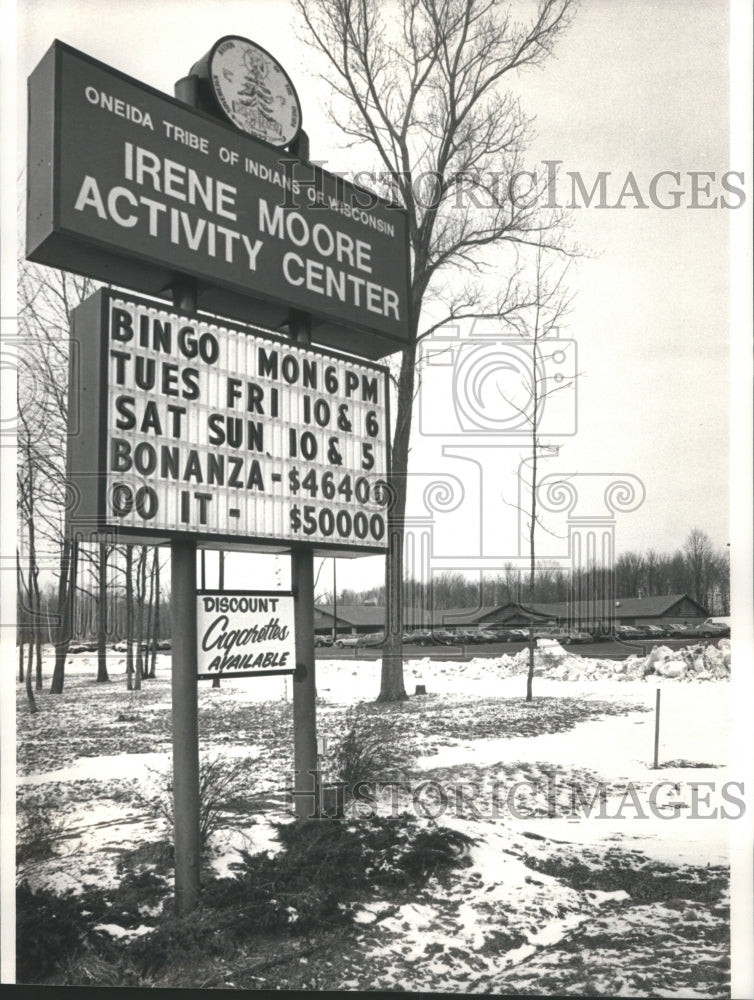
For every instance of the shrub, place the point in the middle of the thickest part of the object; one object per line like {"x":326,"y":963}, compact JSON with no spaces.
{"x":312,"y":884}
{"x":369,"y":751}
{"x":49,"y":930}
{"x":219,"y":783}
{"x":39,"y":829}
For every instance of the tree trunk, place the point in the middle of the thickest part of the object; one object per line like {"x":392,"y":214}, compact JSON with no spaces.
{"x":102,"y":675}
{"x":141,"y":586}
{"x":21,"y":615}
{"x":156,"y":629}
{"x":31,"y":700}
{"x":129,"y":618}
{"x":151,"y":638}
{"x":391,"y":682}
{"x":220,"y":586}
{"x":35,"y":601}
{"x":530,"y":671}
{"x":38,"y":647}
{"x":533,"y":510}
{"x":66,"y":588}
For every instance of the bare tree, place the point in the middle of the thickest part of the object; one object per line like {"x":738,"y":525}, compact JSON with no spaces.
{"x":129,"y":617}
{"x":30,"y":699}
{"x":103,"y":551}
{"x":47,"y":297}
{"x":28,"y":475}
{"x":533,"y":389}
{"x":699,"y":556}
{"x":418,"y":83}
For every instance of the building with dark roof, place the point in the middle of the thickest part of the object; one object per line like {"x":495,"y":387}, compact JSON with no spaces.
{"x":658,"y":610}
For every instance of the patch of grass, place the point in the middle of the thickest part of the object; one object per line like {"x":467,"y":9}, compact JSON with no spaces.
{"x":645,"y":881}
{"x":159,"y":854}
{"x":687,"y":763}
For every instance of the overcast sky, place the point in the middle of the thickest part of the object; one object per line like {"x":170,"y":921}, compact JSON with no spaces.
{"x":635,"y":86}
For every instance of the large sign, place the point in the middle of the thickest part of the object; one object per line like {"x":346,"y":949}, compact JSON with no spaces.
{"x":244,"y":634}
{"x":189,"y":425}
{"x":131,"y":187}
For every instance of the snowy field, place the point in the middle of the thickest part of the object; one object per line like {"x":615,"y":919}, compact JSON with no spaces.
{"x":592,"y":872}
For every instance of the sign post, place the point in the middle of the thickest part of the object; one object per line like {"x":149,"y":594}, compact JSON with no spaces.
{"x":302,"y":578}
{"x":185,"y":711}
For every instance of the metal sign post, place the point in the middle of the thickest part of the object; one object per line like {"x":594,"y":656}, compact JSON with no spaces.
{"x":302,"y":579}
{"x":185,"y":711}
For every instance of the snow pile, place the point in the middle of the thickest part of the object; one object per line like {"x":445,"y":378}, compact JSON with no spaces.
{"x":551,"y":660}
{"x":691,"y":663}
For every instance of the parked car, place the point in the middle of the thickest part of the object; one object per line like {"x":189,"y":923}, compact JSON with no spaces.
{"x":566,"y":635}
{"x":443,"y":637}
{"x":581,"y":636}
{"x":675,"y":631}
{"x":418,"y":637}
{"x":714,"y":629}
{"x":323,"y":640}
{"x":344,"y":641}
{"x":518,"y":634}
{"x":706,"y":630}
{"x":501,"y":634}
{"x":642,"y":631}
{"x":627,"y":633}
{"x":487,"y":635}
{"x":467,"y":636}
{"x":371,"y":639}
{"x":653,"y":631}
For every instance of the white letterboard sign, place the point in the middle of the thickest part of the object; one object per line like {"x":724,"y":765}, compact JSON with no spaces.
{"x":188,"y":425}
{"x":244,"y":634}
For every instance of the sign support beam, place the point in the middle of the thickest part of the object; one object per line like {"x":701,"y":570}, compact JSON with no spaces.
{"x":185,"y":726}
{"x":302,"y":579}
{"x":185,"y":713}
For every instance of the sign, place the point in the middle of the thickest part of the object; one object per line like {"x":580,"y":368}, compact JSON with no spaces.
{"x":244,"y":633}
{"x":132,"y":187}
{"x":252,"y":90}
{"x":189,"y":425}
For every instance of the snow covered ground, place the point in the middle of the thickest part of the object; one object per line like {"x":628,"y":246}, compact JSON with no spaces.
{"x":582,"y":848}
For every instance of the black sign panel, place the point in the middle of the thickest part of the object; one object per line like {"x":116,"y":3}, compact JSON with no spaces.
{"x":132,"y":187}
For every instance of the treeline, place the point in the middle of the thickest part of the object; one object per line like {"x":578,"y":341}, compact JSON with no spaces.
{"x":696,"y":569}
{"x":112,"y":593}
{"x":68,"y":590}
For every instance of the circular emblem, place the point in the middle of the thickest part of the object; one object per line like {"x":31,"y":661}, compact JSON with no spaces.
{"x":254,"y":91}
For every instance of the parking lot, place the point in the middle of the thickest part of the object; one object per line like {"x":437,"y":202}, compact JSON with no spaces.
{"x":604,"y":649}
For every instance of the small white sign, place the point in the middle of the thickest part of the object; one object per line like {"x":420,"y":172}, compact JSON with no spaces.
{"x":244,"y":634}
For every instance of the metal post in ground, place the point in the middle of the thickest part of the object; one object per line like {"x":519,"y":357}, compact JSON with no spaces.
{"x":184,"y":666}
{"x":302,"y":579}
{"x":185,"y":725}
